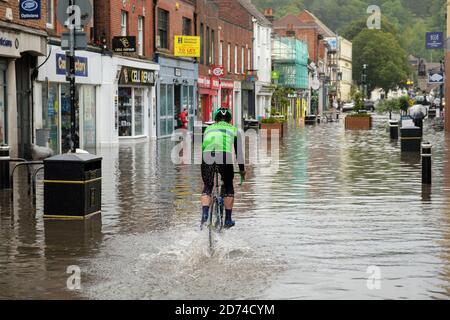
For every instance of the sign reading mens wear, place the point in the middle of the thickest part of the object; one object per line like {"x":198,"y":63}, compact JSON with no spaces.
{"x":81,"y":65}
{"x":124,"y":44}
{"x":130,"y":76}
{"x":187,"y":46}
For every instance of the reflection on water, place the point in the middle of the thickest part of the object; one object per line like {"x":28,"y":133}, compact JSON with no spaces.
{"x":339,"y":203}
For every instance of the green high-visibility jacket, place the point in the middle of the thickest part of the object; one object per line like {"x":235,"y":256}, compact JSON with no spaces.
{"x":219,"y":137}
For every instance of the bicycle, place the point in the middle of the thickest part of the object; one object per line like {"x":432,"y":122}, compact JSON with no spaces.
{"x":215,"y":217}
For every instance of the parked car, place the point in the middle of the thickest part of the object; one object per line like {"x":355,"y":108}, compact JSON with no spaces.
{"x":369,"y":105}
{"x":348,"y":106}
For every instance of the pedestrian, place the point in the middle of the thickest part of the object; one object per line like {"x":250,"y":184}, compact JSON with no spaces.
{"x":184,"y":119}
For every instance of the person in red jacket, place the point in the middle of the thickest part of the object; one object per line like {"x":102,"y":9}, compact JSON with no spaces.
{"x":184,"y":119}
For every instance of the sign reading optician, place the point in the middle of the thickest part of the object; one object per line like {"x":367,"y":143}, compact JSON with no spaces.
{"x":30,"y":9}
{"x":81,"y":65}
{"x":136,"y":76}
{"x":187,"y":46}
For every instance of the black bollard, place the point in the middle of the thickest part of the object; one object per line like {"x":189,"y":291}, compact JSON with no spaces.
{"x":426,"y":163}
{"x":4,"y":167}
{"x":393,"y":129}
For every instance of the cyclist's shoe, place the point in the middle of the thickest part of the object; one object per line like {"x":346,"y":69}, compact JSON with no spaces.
{"x":204,"y":218}
{"x":228,"y":224}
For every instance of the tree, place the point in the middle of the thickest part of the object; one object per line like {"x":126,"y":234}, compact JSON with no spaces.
{"x":353,"y":29}
{"x":388,"y":66}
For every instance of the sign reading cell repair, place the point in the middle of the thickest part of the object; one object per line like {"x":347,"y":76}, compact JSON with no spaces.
{"x":124,"y":44}
{"x":81,"y":65}
{"x":187,"y":46}
{"x":30,"y":9}
{"x":136,"y":76}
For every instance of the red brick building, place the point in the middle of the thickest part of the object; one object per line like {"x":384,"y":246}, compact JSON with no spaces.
{"x":21,"y":42}
{"x":228,"y":27}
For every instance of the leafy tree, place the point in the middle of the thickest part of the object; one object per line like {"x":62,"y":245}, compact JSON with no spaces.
{"x":388,"y":67}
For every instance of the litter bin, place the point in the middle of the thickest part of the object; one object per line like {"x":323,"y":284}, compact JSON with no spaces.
{"x":431,"y":113}
{"x":393,"y":129}
{"x":410,"y":138}
{"x":4,"y":167}
{"x":72,"y":186}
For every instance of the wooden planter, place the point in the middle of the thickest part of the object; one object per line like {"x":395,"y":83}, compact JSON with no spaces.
{"x":358,"y":123}
{"x":281,"y":127}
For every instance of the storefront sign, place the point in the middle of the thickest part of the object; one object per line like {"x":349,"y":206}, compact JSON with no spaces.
{"x":434,"y":40}
{"x":124,"y":44}
{"x":136,"y":76}
{"x":226,"y":84}
{"x":215,"y":83}
{"x":251,"y":75}
{"x":204,"y":82}
{"x":81,"y":65}
{"x":30,"y":9}
{"x":187,"y":46}
{"x":218,"y":71}
{"x":7,"y":43}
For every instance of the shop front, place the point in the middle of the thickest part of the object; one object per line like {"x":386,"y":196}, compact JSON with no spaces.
{"x":263,"y":99}
{"x":52,"y":112}
{"x":237,"y":114}
{"x":19,"y":48}
{"x":135,"y":88}
{"x":226,"y":94}
{"x":208,"y":88}
{"x":248,"y":100}
{"x":177,"y":80}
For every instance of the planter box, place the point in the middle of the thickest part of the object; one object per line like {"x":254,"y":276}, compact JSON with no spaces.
{"x":281,"y":127}
{"x":358,"y":123}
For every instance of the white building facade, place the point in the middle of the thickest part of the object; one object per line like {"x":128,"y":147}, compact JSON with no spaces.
{"x":262,"y":64}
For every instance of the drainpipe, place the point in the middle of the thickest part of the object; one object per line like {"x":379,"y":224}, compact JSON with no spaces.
{"x":155,"y":5}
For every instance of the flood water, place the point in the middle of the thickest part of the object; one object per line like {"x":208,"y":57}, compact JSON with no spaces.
{"x":340,"y":204}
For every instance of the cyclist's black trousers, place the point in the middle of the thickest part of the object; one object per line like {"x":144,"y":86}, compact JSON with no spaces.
{"x":226,"y":172}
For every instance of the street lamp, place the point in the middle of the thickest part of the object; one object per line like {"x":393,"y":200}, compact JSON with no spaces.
{"x":364,"y":80}
{"x":441,"y":87}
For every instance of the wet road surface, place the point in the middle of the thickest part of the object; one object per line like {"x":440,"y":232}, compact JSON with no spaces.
{"x":339,"y":203}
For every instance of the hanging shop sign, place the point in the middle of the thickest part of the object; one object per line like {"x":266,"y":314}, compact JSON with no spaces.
{"x":217,"y":71}
{"x":81,"y":65}
{"x":30,"y":9}
{"x":129,"y":76}
{"x":187,"y":46}
{"x":124,"y":44}
{"x":434,"y":40}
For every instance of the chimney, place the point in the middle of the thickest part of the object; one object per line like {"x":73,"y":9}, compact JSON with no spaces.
{"x":268,"y":13}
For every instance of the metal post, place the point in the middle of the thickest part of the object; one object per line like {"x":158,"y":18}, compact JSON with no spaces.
{"x":70,"y":58}
{"x":426,"y":163}
{"x":441,"y":89}
{"x":447,"y":73}
{"x":4,"y":167}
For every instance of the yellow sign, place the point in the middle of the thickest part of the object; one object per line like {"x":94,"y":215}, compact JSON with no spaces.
{"x":187,"y":46}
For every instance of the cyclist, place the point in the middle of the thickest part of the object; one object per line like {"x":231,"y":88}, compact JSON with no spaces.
{"x":218,"y":141}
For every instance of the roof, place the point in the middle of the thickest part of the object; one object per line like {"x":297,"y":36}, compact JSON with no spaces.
{"x":327,"y":31}
{"x":255,"y":12}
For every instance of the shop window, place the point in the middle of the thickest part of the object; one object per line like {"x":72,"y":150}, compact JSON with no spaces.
{"x":213,"y":49}
{"x":87,"y":107}
{"x":50,"y":115}
{"x":163,"y":28}
{"x":229,"y":58}
{"x":236,"y":59}
{"x":3,"y":107}
{"x":208,"y":47}
{"x":242,"y":60}
{"x":125,"y":112}
{"x":202,"y":44}
{"x":138,"y":112}
{"x":221,"y":53}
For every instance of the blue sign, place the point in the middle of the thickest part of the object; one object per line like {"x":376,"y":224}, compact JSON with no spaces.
{"x":81,"y":65}
{"x":435,"y":40}
{"x":436,"y":78}
{"x":30,"y":9}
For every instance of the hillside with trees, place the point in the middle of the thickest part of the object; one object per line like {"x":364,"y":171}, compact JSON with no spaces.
{"x":411,"y":18}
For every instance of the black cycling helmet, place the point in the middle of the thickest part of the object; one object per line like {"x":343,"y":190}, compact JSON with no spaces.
{"x":222,"y":114}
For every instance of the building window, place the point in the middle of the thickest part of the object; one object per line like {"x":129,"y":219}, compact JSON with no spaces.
{"x":243,"y":60}
{"x":49,"y":13}
{"x":186,"y":26}
{"x":213,"y":54}
{"x":124,"y":24}
{"x":202,"y":45}
{"x":208,"y":47}
{"x":3,"y":105}
{"x":221,"y":53}
{"x":229,"y":58}
{"x":163,"y":27}
{"x":140,"y":36}
{"x":249,"y":59}
{"x":236,"y":59}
